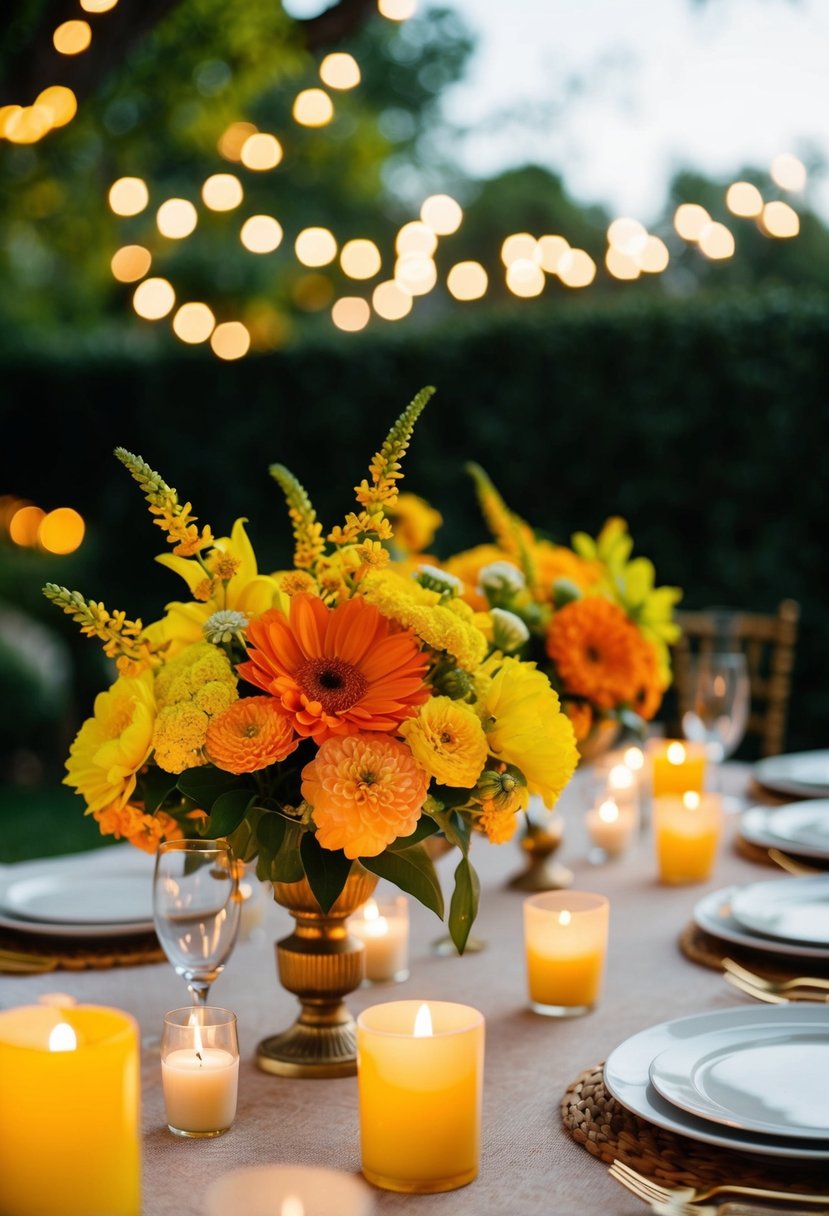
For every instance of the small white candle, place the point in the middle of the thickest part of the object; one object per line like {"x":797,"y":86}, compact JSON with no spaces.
{"x":288,"y":1190}
{"x":611,"y":826}
{"x":200,"y":1081}
{"x":384,"y":931}
{"x":623,"y":788}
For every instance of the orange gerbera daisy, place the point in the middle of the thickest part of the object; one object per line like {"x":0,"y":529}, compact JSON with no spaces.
{"x":366,"y":790}
{"x":249,"y":735}
{"x":336,"y":671}
{"x":595,"y":648}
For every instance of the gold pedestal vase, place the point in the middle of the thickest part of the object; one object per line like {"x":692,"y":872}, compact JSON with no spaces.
{"x":320,"y":962}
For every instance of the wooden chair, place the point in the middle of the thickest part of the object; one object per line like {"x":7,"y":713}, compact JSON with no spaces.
{"x":769,"y":645}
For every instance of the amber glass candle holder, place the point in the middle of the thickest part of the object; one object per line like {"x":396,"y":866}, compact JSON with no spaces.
{"x":565,"y":940}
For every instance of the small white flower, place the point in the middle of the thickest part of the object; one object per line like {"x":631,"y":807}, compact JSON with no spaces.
{"x":501,"y":576}
{"x":224,"y":626}
{"x":438,"y":580}
{"x":508,"y":630}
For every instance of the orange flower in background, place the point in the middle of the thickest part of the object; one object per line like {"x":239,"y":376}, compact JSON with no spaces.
{"x":131,"y":823}
{"x":581,"y":717}
{"x":249,"y":735}
{"x":366,"y":791}
{"x":649,"y":684}
{"x":552,"y":562}
{"x":468,"y":565}
{"x":336,"y":671}
{"x":596,"y":650}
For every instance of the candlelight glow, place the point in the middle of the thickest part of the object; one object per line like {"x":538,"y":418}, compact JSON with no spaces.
{"x":63,"y":1038}
{"x":313,"y":108}
{"x":130,"y":263}
{"x":292,"y":1205}
{"x":691,"y":800}
{"x":621,"y":778}
{"x":72,"y":37}
{"x":397,"y":10}
{"x":689,"y":220}
{"x":60,"y":103}
{"x":520,"y":246}
{"x":230,"y":340}
{"x":442,"y":214}
{"x":153,"y":299}
{"x":780,"y":220}
{"x":260,"y":151}
{"x":315,"y":247}
{"x":564,"y":917}
{"x":743,"y":199}
{"x":423,"y":1023}
{"x":61,"y":531}
{"x":370,"y":910}
{"x":261,"y":234}
{"x":788,"y":172}
{"x":128,"y":196}
{"x":340,"y":71}
{"x":608,"y":812}
{"x":350,"y":313}
{"x":634,"y":758}
{"x":24,"y":525}
{"x":98,"y":6}
{"x":716,"y":241}
{"x":222,"y":192}
{"x":193,"y":1021}
{"x":233,"y":139}
{"x":467,"y":281}
{"x":194,"y":323}
{"x":576,"y":268}
{"x":26,"y":124}
{"x":416,"y":237}
{"x":391,"y":301}
{"x":675,"y":753}
{"x":176,"y":218}
{"x":360,"y":259}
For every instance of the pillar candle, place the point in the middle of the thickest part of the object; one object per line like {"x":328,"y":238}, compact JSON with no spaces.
{"x":199,"y":1070}
{"x":565,"y":939}
{"x":420,"y":1078}
{"x":686,"y":832}
{"x":677,"y":767}
{"x":384,"y":931}
{"x":69,"y":1111}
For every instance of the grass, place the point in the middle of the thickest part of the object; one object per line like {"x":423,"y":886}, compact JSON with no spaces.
{"x":44,"y":821}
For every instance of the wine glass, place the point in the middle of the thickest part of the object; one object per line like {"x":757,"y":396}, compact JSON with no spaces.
{"x":719,"y":697}
{"x":196,"y":909}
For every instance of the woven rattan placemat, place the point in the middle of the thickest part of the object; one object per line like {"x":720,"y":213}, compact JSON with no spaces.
{"x":609,"y":1131}
{"x":701,"y":947}
{"x":76,"y":954}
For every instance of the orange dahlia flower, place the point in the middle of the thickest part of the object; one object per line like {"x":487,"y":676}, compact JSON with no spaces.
{"x":336,"y":671}
{"x":249,"y":735}
{"x":595,"y":649}
{"x":366,"y":791}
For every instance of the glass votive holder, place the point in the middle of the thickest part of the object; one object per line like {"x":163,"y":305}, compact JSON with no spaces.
{"x":611,"y":826}
{"x":686,"y":833}
{"x":383,"y":928}
{"x":565,"y":940}
{"x":420,"y":1069}
{"x":200,"y":1070}
{"x":676,"y":766}
{"x":288,"y":1190}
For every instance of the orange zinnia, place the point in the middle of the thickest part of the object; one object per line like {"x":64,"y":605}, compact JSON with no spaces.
{"x":366,"y":790}
{"x":595,"y":648}
{"x":249,"y":735}
{"x":336,"y":671}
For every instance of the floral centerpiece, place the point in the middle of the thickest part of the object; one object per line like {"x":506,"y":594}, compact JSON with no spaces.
{"x":591,"y":616}
{"x":335,"y":713}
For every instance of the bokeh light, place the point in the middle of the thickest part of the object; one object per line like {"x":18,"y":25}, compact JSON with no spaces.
{"x":60,"y":102}
{"x":176,"y":218}
{"x":128,"y":196}
{"x":340,"y":70}
{"x":442,"y":214}
{"x":98,"y":6}
{"x":194,"y":323}
{"x":415,"y":237}
{"x":261,"y":234}
{"x":25,"y":524}
{"x":689,"y":220}
{"x":260,"y":151}
{"x":230,"y":340}
{"x":525,"y":278}
{"x":743,"y":199}
{"x":391,"y":301}
{"x":576,"y":268}
{"x":467,"y":281}
{"x":153,"y":299}
{"x":222,"y":192}
{"x":627,"y":235}
{"x":360,"y":259}
{"x":27,"y":124}
{"x":788,"y":172}
{"x":716,"y":241}
{"x":780,"y":220}
{"x":130,"y":263}
{"x":654,"y":256}
{"x":621,"y":265}
{"x":313,"y":108}
{"x":61,"y":531}
{"x":416,"y":272}
{"x":315,"y":247}
{"x":234,"y":138}
{"x":72,"y":37}
{"x":397,"y":10}
{"x":351,"y":313}
{"x":520,"y":246}
{"x":552,"y":250}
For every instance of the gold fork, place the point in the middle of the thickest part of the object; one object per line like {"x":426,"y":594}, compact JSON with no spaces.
{"x":760,"y":981}
{"x":15,"y":962}
{"x":792,"y":864}
{"x":676,"y":1198}
{"x":774,"y":998}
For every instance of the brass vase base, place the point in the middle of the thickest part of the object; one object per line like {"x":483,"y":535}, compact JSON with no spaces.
{"x":420,"y":1186}
{"x":542,"y":873}
{"x":311,"y":1050}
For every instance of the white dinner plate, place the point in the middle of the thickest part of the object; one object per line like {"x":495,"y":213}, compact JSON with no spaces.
{"x":76,"y":903}
{"x":801,"y":774}
{"x":801,"y":827}
{"x":713,"y":914}
{"x":626,"y":1076}
{"x":793,"y":909}
{"x":769,"y":1077}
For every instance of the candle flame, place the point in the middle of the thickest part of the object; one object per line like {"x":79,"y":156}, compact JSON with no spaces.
{"x":370,"y":910}
{"x":564,"y":917}
{"x":292,"y":1205}
{"x":691,"y":800}
{"x":634,"y":758}
{"x":620,"y":777}
{"x":423,"y":1023}
{"x":675,"y":753}
{"x":608,"y":811}
{"x":198,"y":1046}
{"x":63,"y":1038}
{"x":377,"y":928}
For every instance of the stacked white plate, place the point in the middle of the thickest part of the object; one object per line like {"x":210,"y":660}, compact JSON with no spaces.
{"x":105,"y":894}
{"x":748,"y":1078}
{"x":798,"y":827}
{"x":782,"y":916}
{"x":801,"y":774}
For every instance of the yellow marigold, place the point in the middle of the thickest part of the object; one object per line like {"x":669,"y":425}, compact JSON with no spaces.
{"x":191,"y":689}
{"x":113,"y":744}
{"x":499,"y":826}
{"x":595,"y":649}
{"x":366,"y":791}
{"x":581,"y":716}
{"x":468,"y":565}
{"x":447,"y":739}
{"x":131,"y":823}
{"x":446,"y":626}
{"x":250,"y":735}
{"x":414,"y":522}
{"x":526,"y":727}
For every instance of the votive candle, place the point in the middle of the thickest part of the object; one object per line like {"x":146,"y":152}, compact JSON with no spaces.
{"x":565,"y":940}
{"x":687,"y":832}
{"x":420,"y":1069}
{"x":199,"y":1070}
{"x":288,"y":1190}
{"x":677,"y":767}
{"x":384,"y":931}
{"x":611,"y":825}
{"x":69,"y":1111}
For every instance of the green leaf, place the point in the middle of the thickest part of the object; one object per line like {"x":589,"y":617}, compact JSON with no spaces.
{"x":325,"y":869}
{"x":270,"y":832}
{"x":455,"y":828}
{"x":287,"y":865}
{"x":463,"y":907}
{"x":412,"y":871}
{"x":426,"y":827}
{"x":156,"y":787}
{"x":229,"y":810}
{"x":205,"y":783}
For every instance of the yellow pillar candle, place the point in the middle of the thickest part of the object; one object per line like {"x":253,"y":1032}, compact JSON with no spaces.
{"x":420,"y":1069}
{"x":677,"y":767}
{"x":687,"y":832}
{"x":384,"y":931}
{"x":565,"y":939}
{"x":69,"y":1111}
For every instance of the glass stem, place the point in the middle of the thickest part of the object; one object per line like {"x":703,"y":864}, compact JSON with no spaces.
{"x":198,"y":990}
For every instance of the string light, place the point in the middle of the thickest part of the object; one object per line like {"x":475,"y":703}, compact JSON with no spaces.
{"x":621,"y":265}
{"x":233,"y":139}
{"x":716,"y":241}
{"x":230,"y":340}
{"x":260,"y":151}
{"x":27,"y":124}
{"x":153,"y":299}
{"x":627,"y":236}
{"x":391,"y":301}
{"x":98,"y":6}
{"x":779,"y":220}
{"x":261,"y":234}
{"x":467,"y":281}
{"x":313,"y":108}
{"x":788,"y":172}
{"x":176,"y":218}
{"x":689,"y":220}
{"x":194,"y":323}
{"x":525,"y":278}
{"x":743,"y":199}
{"x":416,"y":273}
{"x":60,"y":102}
{"x":350,"y":314}
{"x":222,"y":192}
{"x":24,"y":525}
{"x":654,"y":256}
{"x":128,"y":196}
{"x":72,"y":37}
{"x":130,"y":263}
{"x":576,"y":268}
{"x":61,"y":531}
{"x":415,"y":237}
{"x":442,"y":214}
{"x":552,"y":249}
{"x":340,"y":71}
{"x":315,"y":247}
{"x":520,"y":246}
{"x":360,"y":259}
